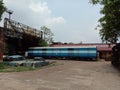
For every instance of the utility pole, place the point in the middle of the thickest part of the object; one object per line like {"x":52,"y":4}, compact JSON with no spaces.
{"x":10,"y":12}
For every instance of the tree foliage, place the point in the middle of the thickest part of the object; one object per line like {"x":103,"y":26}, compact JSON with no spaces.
{"x":42,"y":43}
{"x":2,"y":8}
{"x":47,"y":34}
{"x":110,"y":22}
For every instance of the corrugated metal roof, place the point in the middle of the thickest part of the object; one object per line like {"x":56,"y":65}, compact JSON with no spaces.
{"x":100,"y":47}
{"x":63,"y":47}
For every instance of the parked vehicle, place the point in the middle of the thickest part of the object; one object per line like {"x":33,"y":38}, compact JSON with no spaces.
{"x":39,"y":59}
{"x":5,"y":58}
{"x":18,"y":60}
{"x":16,"y":57}
{"x":86,"y":52}
{"x":13,"y":58}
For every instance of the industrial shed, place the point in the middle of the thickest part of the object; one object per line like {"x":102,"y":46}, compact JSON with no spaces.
{"x":104,"y":51}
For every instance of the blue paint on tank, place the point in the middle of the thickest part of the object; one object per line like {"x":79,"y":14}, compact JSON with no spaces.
{"x":75,"y":52}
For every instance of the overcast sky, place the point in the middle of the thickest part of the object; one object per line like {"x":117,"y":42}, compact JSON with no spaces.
{"x":69,"y":20}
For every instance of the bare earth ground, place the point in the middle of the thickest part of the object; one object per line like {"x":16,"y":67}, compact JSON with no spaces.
{"x":65,"y":75}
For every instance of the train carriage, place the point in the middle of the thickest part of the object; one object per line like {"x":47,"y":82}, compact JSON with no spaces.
{"x":86,"y":52}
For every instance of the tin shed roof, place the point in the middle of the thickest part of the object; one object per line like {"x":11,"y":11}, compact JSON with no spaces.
{"x":100,"y":46}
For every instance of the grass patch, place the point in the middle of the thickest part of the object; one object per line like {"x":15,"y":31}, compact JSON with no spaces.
{"x":4,"y":67}
{"x":22,"y":68}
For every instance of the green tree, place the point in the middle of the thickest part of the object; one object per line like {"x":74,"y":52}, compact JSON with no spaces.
{"x":110,"y":22}
{"x":2,"y":8}
{"x":43,"y":43}
{"x":47,"y":34}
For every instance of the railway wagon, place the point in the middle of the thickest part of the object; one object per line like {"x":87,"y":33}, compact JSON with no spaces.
{"x":86,"y":52}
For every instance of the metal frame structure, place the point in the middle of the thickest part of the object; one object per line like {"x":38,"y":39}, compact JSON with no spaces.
{"x":16,"y":29}
{"x":19,"y":37}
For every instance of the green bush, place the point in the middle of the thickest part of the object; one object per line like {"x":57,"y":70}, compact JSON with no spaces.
{"x":3,"y":65}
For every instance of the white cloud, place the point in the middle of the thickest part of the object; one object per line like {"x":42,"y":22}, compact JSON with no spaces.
{"x":55,"y":20}
{"x":34,"y":13}
{"x":40,"y":7}
{"x":42,"y":12}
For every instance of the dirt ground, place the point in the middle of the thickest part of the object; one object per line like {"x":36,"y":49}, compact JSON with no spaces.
{"x":65,"y":75}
